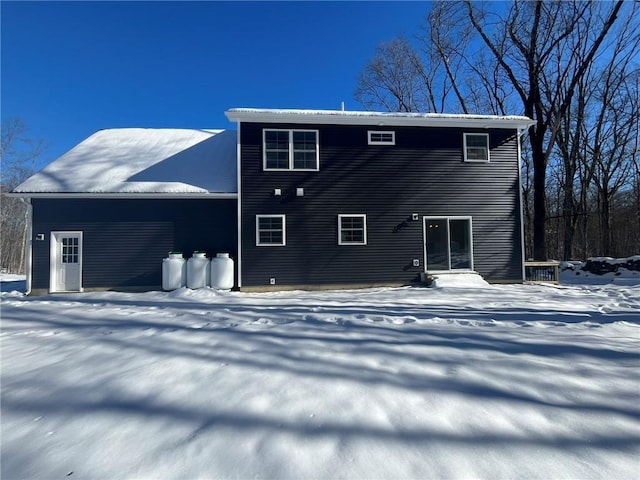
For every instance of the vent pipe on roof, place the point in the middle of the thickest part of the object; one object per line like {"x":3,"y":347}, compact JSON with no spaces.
{"x":342,"y":106}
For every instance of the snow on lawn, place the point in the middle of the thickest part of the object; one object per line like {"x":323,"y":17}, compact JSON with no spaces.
{"x":521,"y":381}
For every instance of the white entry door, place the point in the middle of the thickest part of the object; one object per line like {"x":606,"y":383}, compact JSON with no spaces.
{"x":66,"y":262}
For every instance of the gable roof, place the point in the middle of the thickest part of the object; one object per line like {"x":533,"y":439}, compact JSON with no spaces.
{"x":142,"y":161}
{"x":345,"y":117}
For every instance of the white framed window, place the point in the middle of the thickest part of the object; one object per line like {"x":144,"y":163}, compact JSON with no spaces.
{"x":381,"y":138}
{"x":352,"y":229}
{"x":290,"y":149}
{"x":476,"y":147}
{"x":270,"y":230}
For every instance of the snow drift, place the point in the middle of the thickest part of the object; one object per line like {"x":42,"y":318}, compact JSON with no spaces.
{"x":519,"y":381}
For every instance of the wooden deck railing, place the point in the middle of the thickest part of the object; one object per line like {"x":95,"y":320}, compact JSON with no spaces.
{"x":542,"y":272}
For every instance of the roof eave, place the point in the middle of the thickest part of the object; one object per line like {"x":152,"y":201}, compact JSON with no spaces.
{"x":338,"y":117}
{"x":125,"y":195}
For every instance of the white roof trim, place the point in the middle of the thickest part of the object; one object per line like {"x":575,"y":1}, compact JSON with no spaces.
{"x":174,"y":196}
{"x":341,"y":117}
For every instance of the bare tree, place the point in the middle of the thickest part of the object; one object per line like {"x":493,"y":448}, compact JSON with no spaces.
{"x":613,"y":142}
{"x":604,"y":135}
{"x":401,"y":77}
{"x":635,"y":154}
{"x":392,"y":79}
{"x":538,"y":34}
{"x":535,"y":58}
{"x":18,"y":154}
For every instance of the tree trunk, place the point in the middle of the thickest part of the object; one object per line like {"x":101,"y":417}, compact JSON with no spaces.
{"x":539,"y":194}
{"x":569,"y":228}
{"x":605,"y":223}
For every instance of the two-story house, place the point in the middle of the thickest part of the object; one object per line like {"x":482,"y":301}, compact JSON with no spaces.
{"x":299,"y":198}
{"x":337,"y":198}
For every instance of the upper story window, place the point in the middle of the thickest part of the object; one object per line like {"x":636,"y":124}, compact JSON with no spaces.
{"x":476,"y":147}
{"x":290,"y":149}
{"x":381,"y":138}
{"x":270,"y":230}
{"x":352,"y":229}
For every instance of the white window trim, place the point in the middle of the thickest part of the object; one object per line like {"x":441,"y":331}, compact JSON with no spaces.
{"x":370,"y":141}
{"x":343,"y":215}
{"x":290,"y":168}
{"x":284,"y":231}
{"x":464,"y":148}
{"x":424,"y":238}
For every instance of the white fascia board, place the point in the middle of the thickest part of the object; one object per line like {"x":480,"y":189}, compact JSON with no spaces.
{"x":123,"y":195}
{"x":339,"y":117}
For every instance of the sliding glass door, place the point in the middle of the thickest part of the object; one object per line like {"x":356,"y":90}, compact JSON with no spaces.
{"x":448,"y":243}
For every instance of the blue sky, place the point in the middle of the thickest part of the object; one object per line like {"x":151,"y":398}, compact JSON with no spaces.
{"x":71,"y":68}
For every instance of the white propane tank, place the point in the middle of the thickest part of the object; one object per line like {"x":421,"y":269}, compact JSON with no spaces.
{"x":174,"y":271}
{"x":198,"y":270}
{"x":222,"y":272}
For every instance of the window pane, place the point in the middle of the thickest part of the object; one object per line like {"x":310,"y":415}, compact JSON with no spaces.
{"x":276,"y":139}
{"x":460,"y":243}
{"x":381,"y":137}
{"x":304,"y":140}
{"x":277,"y":159}
{"x":476,"y":140}
{"x":476,"y":153}
{"x":352,"y":222}
{"x":270,"y":236}
{"x":268,"y":223}
{"x":304,"y":160}
{"x":437,"y":247}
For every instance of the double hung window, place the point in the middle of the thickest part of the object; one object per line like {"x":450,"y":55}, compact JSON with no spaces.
{"x":270,"y":230}
{"x":352,"y":229}
{"x":476,"y":147}
{"x":290,"y":149}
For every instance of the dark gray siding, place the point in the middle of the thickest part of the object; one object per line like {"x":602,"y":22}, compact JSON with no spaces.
{"x":423,"y":173}
{"x":125,"y":240}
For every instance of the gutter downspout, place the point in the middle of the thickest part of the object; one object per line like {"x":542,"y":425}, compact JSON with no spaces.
{"x":239,"y":201}
{"x":28,"y":254}
{"x":520,"y":131}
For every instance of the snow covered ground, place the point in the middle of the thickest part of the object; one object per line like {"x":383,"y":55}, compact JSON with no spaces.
{"x":520,"y":381}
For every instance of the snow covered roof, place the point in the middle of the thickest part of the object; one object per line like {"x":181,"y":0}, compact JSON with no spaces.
{"x":343,"y":117}
{"x":143,"y":161}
